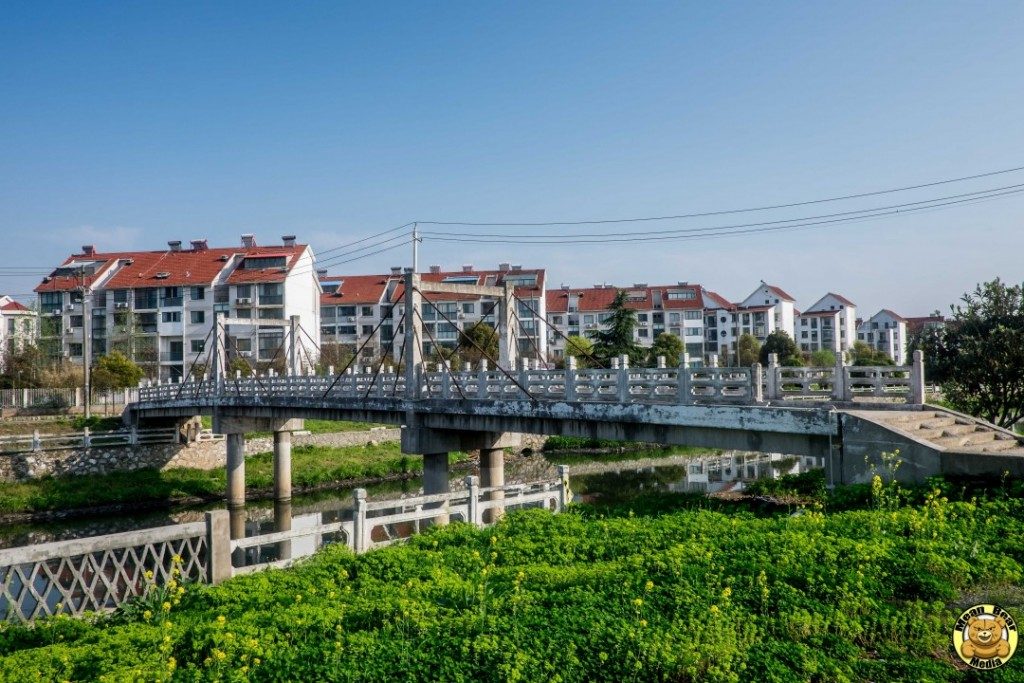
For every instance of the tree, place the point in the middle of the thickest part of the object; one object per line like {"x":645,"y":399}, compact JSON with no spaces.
{"x":823,"y":358}
{"x":478,"y":341}
{"x":580,"y":348}
{"x":115,"y":371}
{"x":333,"y":355}
{"x":668,"y":345}
{"x":21,"y":366}
{"x":748,"y":349}
{"x":978,"y":357}
{"x":864,"y":354}
{"x":617,"y":339}
{"x":779,"y":342}
{"x":239,"y":365}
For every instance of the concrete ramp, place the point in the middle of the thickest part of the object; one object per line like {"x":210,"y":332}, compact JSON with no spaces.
{"x":933,"y":441}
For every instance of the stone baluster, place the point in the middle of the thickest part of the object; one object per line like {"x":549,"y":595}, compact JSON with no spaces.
{"x":481,"y":381}
{"x":473,"y":484}
{"x":623,"y":383}
{"x":756,"y":379}
{"x":917,"y":391}
{"x":570,"y":378}
{"x":774,"y":390}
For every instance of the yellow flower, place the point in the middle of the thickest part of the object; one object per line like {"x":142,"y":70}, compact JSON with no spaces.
{"x":256,"y":661}
{"x":649,"y":585}
{"x":147,"y":615}
{"x":643,"y":622}
{"x":176,"y":559}
{"x":714,"y":609}
{"x":727,"y":592}
{"x":172,"y":584}
{"x":298,"y":597}
{"x":148,"y":574}
{"x":494,"y":539}
{"x":172,"y":663}
{"x":221,"y":619}
{"x":166,"y":607}
{"x":638,"y":602}
{"x":219,"y":655}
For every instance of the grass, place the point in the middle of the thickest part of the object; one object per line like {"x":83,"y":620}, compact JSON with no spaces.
{"x":664,"y":588}
{"x":59,"y":425}
{"x":313,"y":426}
{"x":311,"y":466}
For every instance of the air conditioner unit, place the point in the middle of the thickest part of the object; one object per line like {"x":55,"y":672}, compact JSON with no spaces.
{"x":55,"y":311}
{"x":68,"y":332}
{"x":244,"y":301}
{"x":70,"y":307}
{"x":462,"y":316}
{"x":121,"y":305}
{"x":351,"y":319}
{"x":245,"y":354}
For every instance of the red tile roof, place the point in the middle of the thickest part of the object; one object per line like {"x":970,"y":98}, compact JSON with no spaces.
{"x":895,"y":316}
{"x":15,"y":307}
{"x":594,"y":299}
{"x":183,"y":268}
{"x":819,"y":314}
{"x":842,"y":299}
{"x":718,"y":299}
{"x":354,"y":289}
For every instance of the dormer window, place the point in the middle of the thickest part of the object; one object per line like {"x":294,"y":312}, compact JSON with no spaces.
{"x":259,"y":262}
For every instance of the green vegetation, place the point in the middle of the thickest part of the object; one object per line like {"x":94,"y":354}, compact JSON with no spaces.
{"x":616,"y":338}
{"x":311,"y":466}
{"x":978,"y":356}
{"x":863,"y":354}
{"x":581,"y":443}
{"x":668,"y":345}
{"x":779,"y":342}
{"x":668,"y":588}
{"x":115,"y":371}
{"x":60,"y":425}
{"x":748,"y":350}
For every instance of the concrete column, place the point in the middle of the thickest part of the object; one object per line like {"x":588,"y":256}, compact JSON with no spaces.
{"x":435,"y":480}
{"x":492,"y":473}
{"x":282,"y":466}
{"x":917,"y":390}
{"x":236,"y":470}
{"x":283,"y":522}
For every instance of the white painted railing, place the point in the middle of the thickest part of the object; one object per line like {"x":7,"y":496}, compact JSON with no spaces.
{"x":621,"y":384}
{"x":101,"y":572}
{"x":23,"y":443}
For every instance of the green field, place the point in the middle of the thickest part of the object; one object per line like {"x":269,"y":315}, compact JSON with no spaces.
{"x":311,"y":466}
{"x":663,"y":588}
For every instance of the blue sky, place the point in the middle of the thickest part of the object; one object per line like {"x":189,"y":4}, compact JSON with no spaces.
{"x":126,"y":125}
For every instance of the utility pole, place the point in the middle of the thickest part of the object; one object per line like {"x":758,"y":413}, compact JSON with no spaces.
{"x":415,"y":247}
{"x":86,"y":343}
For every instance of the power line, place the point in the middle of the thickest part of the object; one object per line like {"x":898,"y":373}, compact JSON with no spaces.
{"x":365,"y":239}
{"x":729,"y":211}
{"x":725,"y":231}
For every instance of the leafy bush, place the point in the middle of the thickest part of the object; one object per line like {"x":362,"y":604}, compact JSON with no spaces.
{"x":660,"y":589}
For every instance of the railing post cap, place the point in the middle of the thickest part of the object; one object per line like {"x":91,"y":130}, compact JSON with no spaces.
{"x":360,"y":494}
{"x":918,"y":355}
{"x":472,"y":481}
{"x":563,"y":470}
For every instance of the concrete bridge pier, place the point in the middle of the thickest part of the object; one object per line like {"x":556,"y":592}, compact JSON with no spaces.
{"x":283,"y":489}
{"x":436,"y":444}
{"x":236,"y":490}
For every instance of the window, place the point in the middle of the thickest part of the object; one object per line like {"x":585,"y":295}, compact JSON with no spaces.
{"x":643,"y":333}
{"x":99,"y":300}
{"x":243,"y":291}
{"x":258,"y":262}
{"x":522,"y":280}
{"x":327,"y":330}
{"x":271,"y":294}
{"x":469,"y":308}
{"x":693,"y":315}
{"x":803,"y":322}
{"x":636,"y":295}
{"x":682,"y":295}
{"x":330,"y":288}
{"x":170,"y":296}
{"x":198,"y":345}
{"x":588,"y":319}
{"x":367,"y":329}
{"x":367,"y":311}
{"x":346,"y":311}
{"x":50,"y":300}
{"x":120,"y":296}
{"x":328,"y":312}
{"x":461,"y":279}
{"x":346,"y":329}
{"x":244,"y":313}
{"x":692,"y":331}
{"x":269,"y":345}
{"x":556,"y":320}
{"x":75,"y":350}
{"x":145,"y":298}
{"x":658,"y":318}
{"x":197,"y":293}
{"x":601,"y":317}
{"x":171,"y":316}
{"x":197,"y":317}
{"x":642,"y":317}
{"x":271,"y":314}
{"x":803,"y":335}
{"x":76,"y":321}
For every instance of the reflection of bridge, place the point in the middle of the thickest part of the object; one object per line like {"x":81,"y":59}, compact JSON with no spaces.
{"x":846,"y":415}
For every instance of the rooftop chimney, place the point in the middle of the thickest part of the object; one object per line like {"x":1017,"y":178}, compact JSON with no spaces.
{"x":396,"y":270}
{"x":88,"y":249}
{"x":321,"y":273}
{"x":517,"y":267}
{"x":435,"y":269}
{"x":503,"y":267}
{"x":565,"y":288}
{"x":467,"y":268}
{"x":199,"y":245}
{"x":683,"y":283}
{"x":289,"y":240}
{"x":248,"y":240}
{"x":640,"y":285}
{"x":175,"y":245}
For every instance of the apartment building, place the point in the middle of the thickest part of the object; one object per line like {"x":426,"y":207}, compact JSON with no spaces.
{"x":352,"y":308}
{"x":885,"y":331}
{"x":919,"y":324}
{"x":828,"y":324}
{"x":157,"y":307}
{"x":17,"y":325}
{"x":766,"y":309}
{"x":676,"y":309}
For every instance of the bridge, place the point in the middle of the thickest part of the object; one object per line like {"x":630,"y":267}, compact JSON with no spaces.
{"x":847,"y":415}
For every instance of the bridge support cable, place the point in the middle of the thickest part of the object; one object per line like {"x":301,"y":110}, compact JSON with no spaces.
{"x":383,"y":357}
{"x":531,"y":339}
{"x":401,"y":356}
{"x":481,"y":350}
{"x":557,"y":331}
{"x":355,"y":357}
{"x":193,"y":366}
{"x":252,"y":369}
{"x":446,"y":363}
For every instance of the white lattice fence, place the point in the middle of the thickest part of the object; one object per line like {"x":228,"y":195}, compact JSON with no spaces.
{"x":95,"y":574}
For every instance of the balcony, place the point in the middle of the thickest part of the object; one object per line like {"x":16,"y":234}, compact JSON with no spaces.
{"x":271,"y":299}
{"x":171,"y":356}
{"x":171,"y":302}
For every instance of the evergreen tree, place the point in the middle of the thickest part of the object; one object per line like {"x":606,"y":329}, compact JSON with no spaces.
{"x":617,"y":338}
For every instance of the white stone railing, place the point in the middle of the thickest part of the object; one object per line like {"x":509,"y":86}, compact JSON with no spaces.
{"x":24,"y":443}
{"x":101,"y":572}
{"x":98,"y":573}
{"x":42,"y":398}
{"x":620,"y":384}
